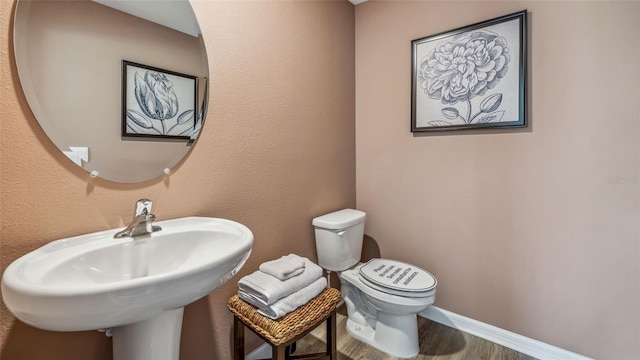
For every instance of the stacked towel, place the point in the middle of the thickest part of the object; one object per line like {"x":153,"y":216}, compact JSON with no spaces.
{"x":274,"y":297}
{"x":293,"y":301}
{"x":267,"y":289}
{"x":286,"y":267}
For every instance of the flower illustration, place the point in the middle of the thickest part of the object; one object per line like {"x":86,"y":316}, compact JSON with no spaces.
{"x":155,"y":95}
{"x":463,"y":68}
{"x":156,"y":110}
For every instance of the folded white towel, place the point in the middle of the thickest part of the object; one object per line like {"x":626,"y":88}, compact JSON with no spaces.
{"x":267,"y":289}
{"x":285,"y":267}
{"x":291,"y":302}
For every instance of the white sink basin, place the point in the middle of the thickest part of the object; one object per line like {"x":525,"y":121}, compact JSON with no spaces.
{"x":94,"y":281}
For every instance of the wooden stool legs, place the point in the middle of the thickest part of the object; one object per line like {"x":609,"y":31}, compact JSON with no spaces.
{"x":280,"y":352}
{"x":332,"y":349}
{"x":238,"y":339}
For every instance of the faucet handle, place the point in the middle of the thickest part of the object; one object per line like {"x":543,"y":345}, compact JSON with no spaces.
{"x":143,"y":207}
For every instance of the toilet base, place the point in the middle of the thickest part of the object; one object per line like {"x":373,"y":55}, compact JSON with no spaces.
{"x":396,"y":335}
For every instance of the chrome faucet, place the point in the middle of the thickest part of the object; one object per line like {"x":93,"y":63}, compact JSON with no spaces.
{"x":142,"y":223}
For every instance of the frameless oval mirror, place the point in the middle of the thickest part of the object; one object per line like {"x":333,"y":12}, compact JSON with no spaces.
{"x":119,"y":86}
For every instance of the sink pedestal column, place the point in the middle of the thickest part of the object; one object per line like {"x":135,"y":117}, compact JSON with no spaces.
{"x":156,"y":338}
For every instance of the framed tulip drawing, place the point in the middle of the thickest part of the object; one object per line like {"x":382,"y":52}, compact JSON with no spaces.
{"x":158,"y":104}
{"x":472,"y":77}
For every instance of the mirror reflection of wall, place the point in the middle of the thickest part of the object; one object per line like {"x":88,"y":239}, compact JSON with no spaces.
{"x":69,"y":57}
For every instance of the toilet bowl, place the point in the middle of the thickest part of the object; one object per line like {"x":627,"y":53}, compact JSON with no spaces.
{"x":383,"y":296}
{"x":381,"y":317}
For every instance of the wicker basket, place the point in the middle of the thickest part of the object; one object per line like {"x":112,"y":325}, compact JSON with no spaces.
{"x":291,"y":325}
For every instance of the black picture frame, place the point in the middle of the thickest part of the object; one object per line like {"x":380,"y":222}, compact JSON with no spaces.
{"x":472,"y":77}
{"x":158,"y":104}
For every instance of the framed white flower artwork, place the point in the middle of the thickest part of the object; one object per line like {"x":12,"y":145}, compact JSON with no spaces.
{"x":158,"y":104}
{"x":472,"y":77}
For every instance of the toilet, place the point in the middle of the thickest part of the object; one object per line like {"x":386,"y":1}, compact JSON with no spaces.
{"x":383,"y":296}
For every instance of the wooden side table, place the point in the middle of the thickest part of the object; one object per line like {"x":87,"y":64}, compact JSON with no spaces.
{"x":285,"y":331}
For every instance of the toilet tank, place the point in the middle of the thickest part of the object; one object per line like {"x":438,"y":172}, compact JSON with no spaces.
{"x":339,"y":238}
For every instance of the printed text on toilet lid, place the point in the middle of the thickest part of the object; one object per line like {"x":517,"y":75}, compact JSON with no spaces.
{"x":397,"y":275}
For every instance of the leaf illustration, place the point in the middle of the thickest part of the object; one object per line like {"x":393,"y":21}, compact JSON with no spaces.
{"x":186,"y":116}
{"x":491,"y":118}
{"x":139,"y":119}
{"x":450,"y":113}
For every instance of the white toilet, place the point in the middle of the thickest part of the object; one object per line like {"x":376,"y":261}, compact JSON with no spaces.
{"x":383,"y":297}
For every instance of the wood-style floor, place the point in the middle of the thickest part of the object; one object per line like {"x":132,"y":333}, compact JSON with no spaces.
{"x":437,"y":341}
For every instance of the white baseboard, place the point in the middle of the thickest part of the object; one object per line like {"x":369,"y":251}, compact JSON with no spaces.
{"x":525,"y":345}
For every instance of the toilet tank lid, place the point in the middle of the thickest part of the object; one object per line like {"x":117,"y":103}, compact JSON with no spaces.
{"x":340,"y":219}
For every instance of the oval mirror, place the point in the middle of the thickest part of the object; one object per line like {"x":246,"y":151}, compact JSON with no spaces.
{"x":119,"y":86}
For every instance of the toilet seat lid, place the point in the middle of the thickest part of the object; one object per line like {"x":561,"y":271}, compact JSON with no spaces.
{"x":396,"y":275}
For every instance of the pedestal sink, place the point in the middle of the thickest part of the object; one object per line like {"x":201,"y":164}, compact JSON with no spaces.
{"x":137,"y":288}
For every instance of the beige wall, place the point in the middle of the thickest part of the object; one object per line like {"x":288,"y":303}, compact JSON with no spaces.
{"x":534,"y":231}
{"x":277,"y":150}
